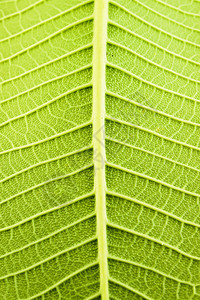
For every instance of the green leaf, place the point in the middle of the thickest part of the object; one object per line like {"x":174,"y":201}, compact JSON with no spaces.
{"x":100,"y":149}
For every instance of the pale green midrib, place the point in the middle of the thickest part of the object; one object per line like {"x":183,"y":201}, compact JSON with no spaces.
{"x":99,"y":90}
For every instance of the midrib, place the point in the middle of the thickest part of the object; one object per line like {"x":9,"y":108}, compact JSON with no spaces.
{"x":99,"y":88}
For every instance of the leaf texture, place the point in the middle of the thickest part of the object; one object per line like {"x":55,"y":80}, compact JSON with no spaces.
{"x":100,"y":149}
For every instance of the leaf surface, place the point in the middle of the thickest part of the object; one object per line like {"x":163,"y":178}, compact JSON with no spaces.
{"x":100,"y":149}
